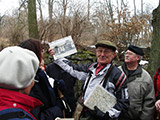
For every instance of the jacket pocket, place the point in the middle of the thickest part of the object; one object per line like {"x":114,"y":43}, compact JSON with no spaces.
{"x":135,"y":108}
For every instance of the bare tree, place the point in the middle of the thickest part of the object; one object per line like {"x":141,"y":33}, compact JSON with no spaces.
{"x":110,"y":8}
{"x":141,"y":7}
{"x":40,"y":9}
{"x":134,"y":4}
{"x":41,"y":23}
{"x":88,"y":10}
{"x":108,"y":20}
{"x":50,"y":10}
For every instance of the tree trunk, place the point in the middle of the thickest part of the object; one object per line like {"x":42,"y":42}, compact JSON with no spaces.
{"x":155,"y":51}
{"x":32,"y":19}
{"x":50,"y":10}
{"x":142,"y":7}
{"x":109,"y":5}
{"x":40,"y":9}
{"x":134,"y":3}
{"x":88,"y":9}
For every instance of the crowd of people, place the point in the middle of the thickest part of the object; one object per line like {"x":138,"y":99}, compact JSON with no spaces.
{"x":30,"y":90}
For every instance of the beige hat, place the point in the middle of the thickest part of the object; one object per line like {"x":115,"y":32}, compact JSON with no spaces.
{"x":107,"y":44}
{"x":18,"y":67}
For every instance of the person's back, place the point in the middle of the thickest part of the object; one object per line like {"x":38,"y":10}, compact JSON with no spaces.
{"x":54,"y":71}
{"x":42,"y":89}
{"x":18,"y":68}
{"x":17,"y":105}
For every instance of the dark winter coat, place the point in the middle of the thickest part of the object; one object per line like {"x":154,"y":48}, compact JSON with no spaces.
{"x":57,"y":73}
{"x":115,"y":82}
{"x":43,"y":91}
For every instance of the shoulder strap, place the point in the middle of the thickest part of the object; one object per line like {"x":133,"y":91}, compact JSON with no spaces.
{"x":107,"y":75}
{"x":119,"y":82}
{"x":86,"y":84}
{"x":10,"y":113}
{"x":88,"y":79}
{"x":104,"y":78}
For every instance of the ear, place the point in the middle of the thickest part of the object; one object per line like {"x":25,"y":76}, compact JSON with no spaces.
{"x":28,"y":89}
{"x":138,"y":57}
{"x":113,"y":55}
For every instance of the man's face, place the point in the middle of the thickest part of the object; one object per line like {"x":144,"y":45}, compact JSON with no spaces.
{"x":131,"y":57}
{"x":104,"y":55}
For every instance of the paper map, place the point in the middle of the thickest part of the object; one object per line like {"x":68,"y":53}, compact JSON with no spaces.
{"x":101,"y":98}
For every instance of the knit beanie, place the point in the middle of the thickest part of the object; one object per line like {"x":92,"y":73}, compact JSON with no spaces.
{"x":18,"y":67}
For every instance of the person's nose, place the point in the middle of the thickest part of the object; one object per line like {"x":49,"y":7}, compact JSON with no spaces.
{"x":102,"y":53}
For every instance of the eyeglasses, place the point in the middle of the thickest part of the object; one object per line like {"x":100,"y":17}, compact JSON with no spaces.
{"x":99,"y":51}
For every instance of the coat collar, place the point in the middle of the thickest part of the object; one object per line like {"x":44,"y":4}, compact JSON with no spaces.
{"x":136,"y":73}
{"x":13,"y":99}
{"x":92,"y":68}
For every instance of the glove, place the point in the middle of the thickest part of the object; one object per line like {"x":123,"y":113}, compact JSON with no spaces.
{"x":60,"y":84}
{"x":99,"y":113}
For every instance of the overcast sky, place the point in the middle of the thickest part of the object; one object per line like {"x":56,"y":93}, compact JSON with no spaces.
{"x":6,"y":6}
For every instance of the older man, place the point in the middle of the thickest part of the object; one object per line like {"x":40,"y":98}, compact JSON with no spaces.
{"x":104,"y":73}
{"x":140,"y":86}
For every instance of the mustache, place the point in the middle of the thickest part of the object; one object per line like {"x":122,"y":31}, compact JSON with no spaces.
{"x":127,"y":58}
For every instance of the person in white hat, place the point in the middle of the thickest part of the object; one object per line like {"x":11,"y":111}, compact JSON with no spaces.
{"x":18,"y":68}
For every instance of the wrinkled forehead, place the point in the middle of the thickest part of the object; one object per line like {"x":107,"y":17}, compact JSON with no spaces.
{"x":131,"y":53}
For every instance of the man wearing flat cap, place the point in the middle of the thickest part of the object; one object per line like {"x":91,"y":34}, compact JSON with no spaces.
{"x":140,"y":86}
{"x":103,"y":73}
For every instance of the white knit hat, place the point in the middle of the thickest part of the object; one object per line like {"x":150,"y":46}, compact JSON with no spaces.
{"x":18,"y":67}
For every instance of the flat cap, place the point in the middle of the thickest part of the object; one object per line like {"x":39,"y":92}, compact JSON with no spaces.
{"x":136,"y":50}
{"x":106,"y":44}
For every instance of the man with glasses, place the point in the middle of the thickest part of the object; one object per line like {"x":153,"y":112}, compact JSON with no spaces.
{"x":104,"y":73}
{"x":140,"y":86}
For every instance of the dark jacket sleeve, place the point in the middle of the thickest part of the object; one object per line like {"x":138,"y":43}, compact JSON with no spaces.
{"x":121,"y":91}
{"x":122,"y":95}
{"x":43,"y":91}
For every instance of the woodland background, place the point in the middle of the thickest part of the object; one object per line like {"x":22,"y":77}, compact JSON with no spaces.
{"x":86,"y":23}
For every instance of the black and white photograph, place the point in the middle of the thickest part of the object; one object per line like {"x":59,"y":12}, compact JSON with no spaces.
{"x":63,"y":47}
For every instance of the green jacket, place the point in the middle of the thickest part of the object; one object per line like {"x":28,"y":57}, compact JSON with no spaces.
{"x":141,"y":95}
